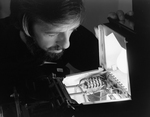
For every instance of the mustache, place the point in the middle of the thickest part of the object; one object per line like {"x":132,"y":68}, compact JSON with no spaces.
{"x":50,"y":56}
{"x":56,"y":47}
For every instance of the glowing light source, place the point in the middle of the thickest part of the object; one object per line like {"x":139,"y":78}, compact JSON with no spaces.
{"x":115,"y":54}
{"x":122,"y":61}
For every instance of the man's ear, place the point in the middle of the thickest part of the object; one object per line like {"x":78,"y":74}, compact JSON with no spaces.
{"x":22,"y":35}
{"x":25,"y":25}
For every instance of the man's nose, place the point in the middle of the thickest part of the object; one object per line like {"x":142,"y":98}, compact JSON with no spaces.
{"x":63,"y":40}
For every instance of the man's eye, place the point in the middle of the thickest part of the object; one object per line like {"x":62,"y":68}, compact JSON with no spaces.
{"x":51,"y":35}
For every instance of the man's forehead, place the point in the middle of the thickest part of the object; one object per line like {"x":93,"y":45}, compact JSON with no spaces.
{"x":58,"y":27}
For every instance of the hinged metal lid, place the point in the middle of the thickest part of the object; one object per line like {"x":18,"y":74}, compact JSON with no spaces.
{"x":110,"y":82}
{"x":111,"y":44}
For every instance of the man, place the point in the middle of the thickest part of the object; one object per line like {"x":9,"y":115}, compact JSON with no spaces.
{"x":40,"y":32}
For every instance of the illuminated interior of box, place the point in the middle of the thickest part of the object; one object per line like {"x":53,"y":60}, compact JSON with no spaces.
{"x":116,"y":60}
{"x":116,"y":55}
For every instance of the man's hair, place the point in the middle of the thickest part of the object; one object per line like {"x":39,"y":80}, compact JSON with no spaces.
{"x":25,"y":13}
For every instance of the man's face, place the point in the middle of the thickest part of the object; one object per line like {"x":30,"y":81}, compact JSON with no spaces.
{"x":53,"y":38}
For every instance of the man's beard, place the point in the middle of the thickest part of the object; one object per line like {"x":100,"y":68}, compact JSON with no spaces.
{"x":41,"y":54}
{"x":51,"y":56}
